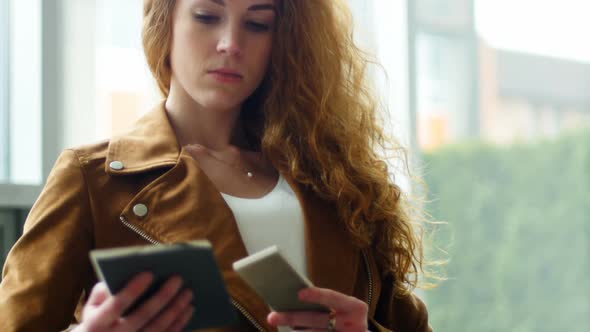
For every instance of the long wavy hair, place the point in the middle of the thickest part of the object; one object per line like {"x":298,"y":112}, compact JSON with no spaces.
{"x":315,"y":117}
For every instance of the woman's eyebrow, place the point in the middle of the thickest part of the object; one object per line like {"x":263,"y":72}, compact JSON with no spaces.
{"x":219,"y":2}
{"x":264,"y":6}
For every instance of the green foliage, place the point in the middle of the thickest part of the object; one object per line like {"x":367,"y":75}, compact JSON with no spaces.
{"x":518,"y":235}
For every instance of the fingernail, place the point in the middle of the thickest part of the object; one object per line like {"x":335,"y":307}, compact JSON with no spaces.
{"x":270,"y":319}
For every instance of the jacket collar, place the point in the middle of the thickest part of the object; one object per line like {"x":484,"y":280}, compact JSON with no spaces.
{"x":151,"y":144}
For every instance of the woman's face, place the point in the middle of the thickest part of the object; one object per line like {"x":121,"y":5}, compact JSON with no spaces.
{"x":220,"y":49}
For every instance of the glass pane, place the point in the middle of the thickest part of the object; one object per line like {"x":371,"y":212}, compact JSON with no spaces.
{"x":106,"y":82}
{"x":25,"y":92}
{"x":444,"y":91}
{"x":4,"y":26}
{"x":124,"y":86}
{"x":503,"y":124}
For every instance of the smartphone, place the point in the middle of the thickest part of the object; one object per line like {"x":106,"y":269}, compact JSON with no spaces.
{"x":276,"y":281}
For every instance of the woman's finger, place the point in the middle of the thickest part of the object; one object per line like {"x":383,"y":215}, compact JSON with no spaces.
{"x":113,"y":307}
{"x":198,"y":151}
{"x":148,"y":310}
{"x":180,"y":323}
{"x":349,"y":312}
{"x":306,"y":320}
{"x":171,"y":313}
{"x":345,"y":322}
{"x":99,"y":294}
{"x":332,"y":299}
{"x":202,"y":155}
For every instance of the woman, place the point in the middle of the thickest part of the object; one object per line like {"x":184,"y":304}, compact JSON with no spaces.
{"x":263,"y":98}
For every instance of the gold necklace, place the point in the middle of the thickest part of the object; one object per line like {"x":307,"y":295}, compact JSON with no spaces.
{"x":249,"y":173}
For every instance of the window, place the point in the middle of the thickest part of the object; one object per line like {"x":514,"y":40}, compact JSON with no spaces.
{"x":4,"y":26}
{"x":381,"y":29}
{"x":20,"y":92}
{"x":20,"y":115}
{"x":124,"y":87}
{"x":444,"y":98}
{"x":106,"y":84}
{"x":503,"y":111}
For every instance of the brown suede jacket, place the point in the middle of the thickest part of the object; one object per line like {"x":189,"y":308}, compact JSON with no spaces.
{"x":88,"y":203}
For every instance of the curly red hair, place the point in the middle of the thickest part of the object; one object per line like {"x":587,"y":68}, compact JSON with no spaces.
{"x":316,"y":118}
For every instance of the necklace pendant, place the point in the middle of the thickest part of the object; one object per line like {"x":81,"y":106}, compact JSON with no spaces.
{"x":250,"y":174}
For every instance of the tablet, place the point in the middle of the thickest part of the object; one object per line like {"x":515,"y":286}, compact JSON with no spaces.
{"x":276,"y":281}
{"x":192,"y":261}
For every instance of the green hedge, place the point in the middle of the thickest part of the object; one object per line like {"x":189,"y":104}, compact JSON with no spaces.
{"x":518,"y":235}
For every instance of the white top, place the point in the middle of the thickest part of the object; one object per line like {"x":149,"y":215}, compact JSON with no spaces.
{"x":274,"y":219}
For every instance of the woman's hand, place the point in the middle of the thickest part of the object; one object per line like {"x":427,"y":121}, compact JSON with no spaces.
{"x":349,"y":314}
{"x":167,"y":310}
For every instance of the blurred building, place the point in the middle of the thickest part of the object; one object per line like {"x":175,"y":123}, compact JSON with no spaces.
{"x":467,"y":89}
{"x":527,"y":97}
{"x":443,"y":70}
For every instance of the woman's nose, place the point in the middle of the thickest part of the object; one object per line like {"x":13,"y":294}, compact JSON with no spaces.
{"x":229,"y":41}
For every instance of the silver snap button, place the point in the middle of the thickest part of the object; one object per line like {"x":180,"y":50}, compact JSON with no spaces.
{"x":140,"y":210}
{"x":116,"y":165}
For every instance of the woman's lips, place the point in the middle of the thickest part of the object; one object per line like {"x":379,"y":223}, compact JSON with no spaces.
{"x":226,"y":76}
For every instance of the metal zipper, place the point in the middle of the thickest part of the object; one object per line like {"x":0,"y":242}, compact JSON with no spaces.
{"x":238,"y":306}
{"x":247,"y":315}
{"x":138,"y":231}
{"x":370,"y":277}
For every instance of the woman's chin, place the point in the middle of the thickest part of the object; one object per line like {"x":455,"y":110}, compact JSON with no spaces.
{"x":220,"y":100}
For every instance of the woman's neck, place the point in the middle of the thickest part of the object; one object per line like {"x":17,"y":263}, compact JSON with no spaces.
{"x":195,"y":124}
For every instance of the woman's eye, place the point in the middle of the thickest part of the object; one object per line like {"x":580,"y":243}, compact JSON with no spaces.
{"x":257,"y":27}
{"x":206,"y":19}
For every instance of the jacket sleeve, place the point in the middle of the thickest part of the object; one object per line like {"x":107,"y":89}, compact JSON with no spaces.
{"x":44,"y":272}
{"x":399,"y":313}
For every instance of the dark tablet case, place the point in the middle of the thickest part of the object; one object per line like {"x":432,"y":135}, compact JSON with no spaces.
{"x":193,"y":261}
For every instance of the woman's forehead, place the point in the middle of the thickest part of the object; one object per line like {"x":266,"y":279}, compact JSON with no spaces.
{"x":226,"y":2}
